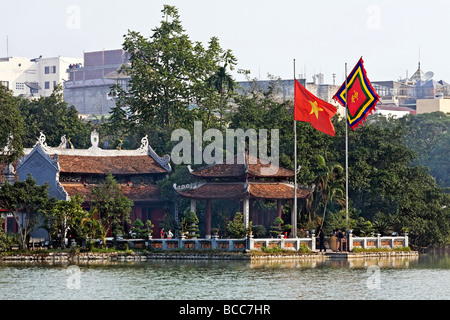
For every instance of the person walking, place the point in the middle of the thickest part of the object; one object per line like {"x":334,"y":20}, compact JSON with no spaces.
{"x":340,"y":236}
{"x":169,"y":234}
{"x":162,"y":233}
{"x":322,"y":241}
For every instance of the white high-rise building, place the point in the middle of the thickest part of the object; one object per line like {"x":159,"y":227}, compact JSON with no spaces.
{"x":35,"y":77}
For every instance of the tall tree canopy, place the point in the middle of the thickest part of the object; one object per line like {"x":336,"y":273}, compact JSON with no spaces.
{"x":27,"y":202}
{"x":52,"y":116}
{"x":11,"y":127}
{"x":168,"y":88}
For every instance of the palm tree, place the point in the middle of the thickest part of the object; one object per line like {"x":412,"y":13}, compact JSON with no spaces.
{"x":330,"y":183}
{"x":222,"y":82}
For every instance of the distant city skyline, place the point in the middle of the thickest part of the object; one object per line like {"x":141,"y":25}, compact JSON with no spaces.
{"x":265,"y":35}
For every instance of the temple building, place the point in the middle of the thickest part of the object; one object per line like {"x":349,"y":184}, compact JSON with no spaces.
{"x":244,"y":182}
{"x":71,"y":171}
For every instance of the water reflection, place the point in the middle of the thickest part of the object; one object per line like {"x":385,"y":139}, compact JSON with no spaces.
{"x":399,"y":262}
{"x":426,"y":277}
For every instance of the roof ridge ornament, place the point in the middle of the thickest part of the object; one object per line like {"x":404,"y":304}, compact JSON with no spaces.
{"x":41,"y":142}
{"x":63,"y":144}
{"x":94,"y":140}
{"x":144,"y":144}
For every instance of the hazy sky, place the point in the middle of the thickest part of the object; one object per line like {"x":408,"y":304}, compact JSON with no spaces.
{"x":265,"y":35}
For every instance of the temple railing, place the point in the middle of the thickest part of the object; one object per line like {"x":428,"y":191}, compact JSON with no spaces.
{"x":389,"y":242}
{"x":217,"y":244}
{"x":250,"y":243}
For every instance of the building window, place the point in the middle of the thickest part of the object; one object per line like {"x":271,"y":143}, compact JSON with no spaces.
{"x":54,"y":84}
{"x":20,"y":86}
{"x":5,"y":84}
{"x":53,"y":69}
{"x":47,"y":84}
{"x":47,"y":70}
{"x":123,"y":83}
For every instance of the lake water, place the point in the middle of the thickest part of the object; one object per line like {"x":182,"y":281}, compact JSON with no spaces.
{"x":426,"y":277}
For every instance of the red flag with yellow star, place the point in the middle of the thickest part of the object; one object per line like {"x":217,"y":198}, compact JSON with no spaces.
{"x":309,"y":108}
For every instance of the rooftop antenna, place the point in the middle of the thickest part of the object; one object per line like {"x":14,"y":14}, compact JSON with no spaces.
{"x":7,"y":47}
{"x":419,"y":57}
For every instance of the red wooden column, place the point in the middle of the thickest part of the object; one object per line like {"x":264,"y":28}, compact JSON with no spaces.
{"x":279,"y":207}
{"x":208,"y":219}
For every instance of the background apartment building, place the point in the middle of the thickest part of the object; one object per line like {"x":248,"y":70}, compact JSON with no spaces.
{"x":89,"y":87}
{"x":36,"y":77}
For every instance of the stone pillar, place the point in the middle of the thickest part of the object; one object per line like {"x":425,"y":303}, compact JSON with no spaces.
{"x":313,"y":242}
{"x":245,"y":211}
{"x":350,"y":242}
{"x":9,"y":174}
{"x":208,"y":219}
{"x":293,"y":219}
{"x":378,"y":241}
{"x":279,"y":207}
{"x":193,"y":205}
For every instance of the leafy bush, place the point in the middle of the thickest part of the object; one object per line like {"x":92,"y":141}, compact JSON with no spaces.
{"x":236,"y":227}
{"x":274,"y":249}
{"x":192,"y":225}
{"x":259,"y":231}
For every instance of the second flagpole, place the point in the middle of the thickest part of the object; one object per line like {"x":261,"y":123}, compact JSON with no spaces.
{"x":346,"y":148}
{"x":294,"y":213}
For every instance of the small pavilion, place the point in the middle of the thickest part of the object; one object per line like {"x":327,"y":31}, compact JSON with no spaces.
{"x":243,"y":182}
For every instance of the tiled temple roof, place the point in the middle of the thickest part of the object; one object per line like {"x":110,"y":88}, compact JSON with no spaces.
{"x":277,"y":190}
{"x":252,"y":167}
{"x":133,"y":192}
{"x":116,"y":164}
{"x":260,"y":190}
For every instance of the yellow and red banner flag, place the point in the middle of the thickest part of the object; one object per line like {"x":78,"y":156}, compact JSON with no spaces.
{"x":309,"y":108}
{"x":361,"y":96}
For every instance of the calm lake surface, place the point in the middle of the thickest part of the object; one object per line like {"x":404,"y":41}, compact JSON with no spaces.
{"x":426,"y":277}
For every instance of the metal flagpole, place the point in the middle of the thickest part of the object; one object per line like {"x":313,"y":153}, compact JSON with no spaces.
{"x":346,"y":148}
{"x":294,"y":215}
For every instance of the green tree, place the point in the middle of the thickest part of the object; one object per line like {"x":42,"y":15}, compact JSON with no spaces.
{"x":330,"y":184}
{"x":52,"y":116}
{"x":428,"y":136}
{"x":138,"y":230}
{"x":109,"y":205}
{"x":65,"y":216}
{"x":223,"y":83}
{"x":192,"y":225}
{"x":27,"y":202}
{"x":422,"y":209}
{"x":236,"y":227}
{"x":12,"y":127}
{"x":168,"y":87}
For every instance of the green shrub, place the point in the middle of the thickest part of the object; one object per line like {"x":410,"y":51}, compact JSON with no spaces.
{"x":275,"y":249}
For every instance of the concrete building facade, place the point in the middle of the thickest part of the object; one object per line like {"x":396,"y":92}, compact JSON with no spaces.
{"x":89,"y":87}
{"x":433,"y":105}
{"x":37,"y":77}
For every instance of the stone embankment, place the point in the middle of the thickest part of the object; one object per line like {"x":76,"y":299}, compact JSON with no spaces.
{"x":78,"y":257}
{"x":136,"y":256}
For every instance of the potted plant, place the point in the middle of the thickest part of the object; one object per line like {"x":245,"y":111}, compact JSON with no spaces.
{"x":250,"y":229}
{"x":215,"y":231}
{"x":150,"y":227}
{"x":192,"y":225}
{"x":236,"y":227}
{"x":275,"y":228}
{"x":311,"y":227}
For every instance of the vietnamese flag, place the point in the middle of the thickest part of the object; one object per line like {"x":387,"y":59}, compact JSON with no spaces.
{"x":309,"y":108}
